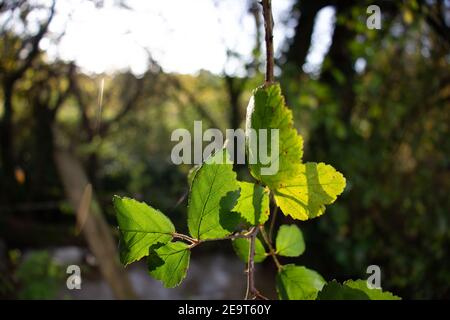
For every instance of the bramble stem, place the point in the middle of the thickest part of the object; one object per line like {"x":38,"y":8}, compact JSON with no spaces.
{"x":268,"y":27}
{"x":272,"y":223}
{"x":195,"y":242}
{"x":185,"y":237}
{"x":251,"y":290}
{"x":272,"y":251}
{"x":242,"y":234}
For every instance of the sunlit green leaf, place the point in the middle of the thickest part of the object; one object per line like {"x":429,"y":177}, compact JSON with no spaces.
{"x":169,"y":263}
{"x":336,"y":291}
{"x":267,"y":110}
{"x":353,"y":290}
{"x":373,"y":293}
{"x":191,"y":174}
{"x":253,"y":203}
{"x":298,"y":283}
{"x":306,"y":193}
{"x":140,"y":227}
{"x":213,"y":195}
{"x":301,"y":190}
{"x":289,"y":242}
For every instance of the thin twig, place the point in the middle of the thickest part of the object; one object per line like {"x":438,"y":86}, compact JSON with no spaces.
{"x":268,"y":27}
{"x":259,"y":295}
{"x":251,"y":290}
{"x":195,"y":242}
{"x":272,"y":252}
{"x":272,"y":223}
{"x":242,"y":234}
{"x":185,"y":237}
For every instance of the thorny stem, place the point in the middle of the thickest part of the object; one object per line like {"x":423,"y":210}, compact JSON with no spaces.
{"x":268,"y":27}
{"x":242,"y":234}
{"x":251,"y":234}
{"x":185,"y":237}
{"x":195,"y":242}
{"x":251,"y":290}
{"x":272,"y":252}
{"x":272,"y":223}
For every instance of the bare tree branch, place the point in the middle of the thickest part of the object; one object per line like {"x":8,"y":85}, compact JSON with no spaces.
{"x":34,"y":43}
{"x":126,"y":107}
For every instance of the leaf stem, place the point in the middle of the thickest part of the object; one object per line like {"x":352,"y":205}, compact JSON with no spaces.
{"x":195,"y":242}
{"x":272,"y":223}
{"x":251,"y":292}
{"x":242,"y":234}
{"x":272,"y":251}
{"x":268,"y":27}
{"x":185,"y":237}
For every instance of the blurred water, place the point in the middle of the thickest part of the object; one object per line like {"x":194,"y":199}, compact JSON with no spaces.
{"x":212,"y":276}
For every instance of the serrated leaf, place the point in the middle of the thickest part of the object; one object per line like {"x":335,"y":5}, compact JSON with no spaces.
{"x":289,"y":241}
{"x":242,"y":248}
{"x":213,"y":195}
{"x":253,"y":203}
{"x":191,"y":174}
{"x":169,"y":263}
{"x":298,"y":283}
{"x":267,"y":110}
{"x":141,"y":227}
{"x":336,"y":291}
{"x":373,"y":293}
{"x":305,"y":195}
{"x":301,"y":190}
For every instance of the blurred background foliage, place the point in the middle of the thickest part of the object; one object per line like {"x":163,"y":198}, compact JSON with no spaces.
{"x":377,"y":109}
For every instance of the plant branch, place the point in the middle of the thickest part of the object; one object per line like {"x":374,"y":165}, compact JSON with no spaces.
{"x":272,"y":252}
{"x":268,"y":28}
{"x":272,"y":223}
{"x":193,"y":241}
{"x":34,"y":44}
{"x":251,"y":290}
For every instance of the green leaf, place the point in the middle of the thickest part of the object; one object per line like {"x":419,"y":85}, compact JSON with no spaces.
{"x":301,"y":190}
{"x":267,"y":110}
{"x":336,"y":291}
{"x":374,"y":294}
{"x":353,"y":290}
{"x":140,"y":227}
{"x":213,"y":195}
{"x":242,"y":248}
{"x":289,"y":242}
{"x":253,"y":203}
{"x":298,"y":283}
{"x":306,"y":193}
{"x":191,"y":174}
{"x":169,"y":263}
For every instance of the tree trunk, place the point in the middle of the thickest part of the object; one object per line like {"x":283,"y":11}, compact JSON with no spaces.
{"x":6,"y":141}
{"x":44,"y":168}
{"x":92,"y":169}
{"x":299,"y":47}
{"x":91,"y":223}
{"x":233,"y":95}
{"x":340,"y":59}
